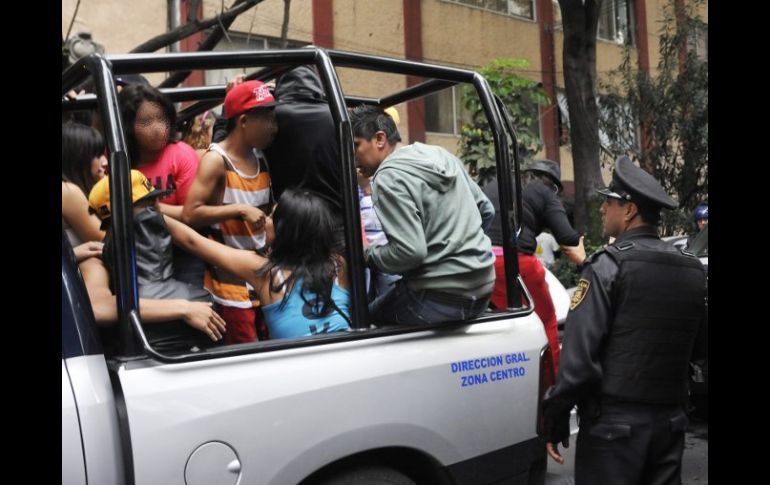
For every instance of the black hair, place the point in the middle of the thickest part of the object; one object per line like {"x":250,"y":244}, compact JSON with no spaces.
{"x":367,"y":120}
{"x":649,"y":213}
{"x":130,"y":99}
{"x":304,"y":244}
{"x":80,"y":144}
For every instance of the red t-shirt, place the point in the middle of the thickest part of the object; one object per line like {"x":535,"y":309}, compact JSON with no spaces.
{"x":175,"y":168}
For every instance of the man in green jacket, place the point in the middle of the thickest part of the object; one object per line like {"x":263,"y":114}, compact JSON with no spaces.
{"x":434,"y":218}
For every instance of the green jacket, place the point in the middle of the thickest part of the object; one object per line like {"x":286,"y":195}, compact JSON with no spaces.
{"x":434,"y":216}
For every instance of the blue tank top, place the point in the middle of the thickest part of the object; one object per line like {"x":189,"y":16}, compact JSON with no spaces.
{"x":297,"y":318}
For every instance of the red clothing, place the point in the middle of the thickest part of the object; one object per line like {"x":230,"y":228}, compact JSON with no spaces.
{"x":533,"y":274}
{"x":175,"y":168}
{"x":243,"y":324}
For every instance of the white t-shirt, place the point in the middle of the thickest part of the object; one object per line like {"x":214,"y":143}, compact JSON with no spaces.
{"x":546,"y":246}
{"x":375,"y":236}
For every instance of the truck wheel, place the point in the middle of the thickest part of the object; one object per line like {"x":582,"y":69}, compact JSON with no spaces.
{"x":375,"y":475}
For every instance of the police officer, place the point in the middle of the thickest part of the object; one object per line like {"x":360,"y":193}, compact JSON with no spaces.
{"x":701,"y":216}
{"x":630,"y":332}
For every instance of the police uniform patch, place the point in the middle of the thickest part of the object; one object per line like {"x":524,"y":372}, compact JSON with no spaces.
{"x":580,"y":293}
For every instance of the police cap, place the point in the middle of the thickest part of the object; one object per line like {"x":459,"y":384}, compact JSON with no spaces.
{"x":631,"y":183}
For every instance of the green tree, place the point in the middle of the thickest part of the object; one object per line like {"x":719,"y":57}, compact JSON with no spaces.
{"x":671,"y":106}
{"x":521,"y":96}
{"x":580,"y":21}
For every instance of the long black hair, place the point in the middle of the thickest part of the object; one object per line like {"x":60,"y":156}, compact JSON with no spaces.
{"x":80,"y":144}
{"x":304,"y":244}
{"x":130,"y":99}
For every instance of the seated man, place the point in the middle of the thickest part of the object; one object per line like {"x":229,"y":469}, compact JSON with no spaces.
{"x":154,"y":265}
{"x":433,"y":216}
{"x":197,"y":314}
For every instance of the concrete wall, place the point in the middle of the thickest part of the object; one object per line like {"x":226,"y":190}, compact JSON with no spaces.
{"x":470,"y":37}
{"x":373,"y":27}
{"x":117,"y":24}
{"x":266,"y":18}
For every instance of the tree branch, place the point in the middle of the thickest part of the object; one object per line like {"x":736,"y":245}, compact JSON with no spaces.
{"x":72,"y":22}
{"x":225,"y":18}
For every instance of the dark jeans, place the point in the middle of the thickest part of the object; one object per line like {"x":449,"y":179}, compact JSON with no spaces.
{"x":631,"y":444}
{"x":403,"y":306}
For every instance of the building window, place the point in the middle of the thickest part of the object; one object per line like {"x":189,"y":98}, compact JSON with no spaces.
{"x":616,"y":20}
{"x":518,"y":8}
{"x":698,"y":43}
{"x":444,"y":112}
{"x":618,"y":127}
{"x":241,"y":42}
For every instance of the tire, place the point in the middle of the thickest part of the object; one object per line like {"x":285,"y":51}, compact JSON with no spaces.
{"x":371,"y":475}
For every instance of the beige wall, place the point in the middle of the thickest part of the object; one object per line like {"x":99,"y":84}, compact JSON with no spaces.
{"x":373,"y":27}
{"x":266,"y":18}
{"x":470,"y":37}
{"x":450,"y":142}
{"x":118,"y":25}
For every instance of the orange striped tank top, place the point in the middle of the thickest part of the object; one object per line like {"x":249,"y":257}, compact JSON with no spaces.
{"x":240,"y":188}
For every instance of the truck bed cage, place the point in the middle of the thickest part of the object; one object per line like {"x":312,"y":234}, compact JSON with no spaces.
{"x":273,"y":63}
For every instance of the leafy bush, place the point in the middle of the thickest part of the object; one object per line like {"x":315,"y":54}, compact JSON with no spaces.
{"x":521,"y":96}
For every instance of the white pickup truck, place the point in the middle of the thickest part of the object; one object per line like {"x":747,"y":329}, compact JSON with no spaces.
{"x":445,"y":404}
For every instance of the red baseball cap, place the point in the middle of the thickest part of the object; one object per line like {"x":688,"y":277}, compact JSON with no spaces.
{"x":246,"y":96}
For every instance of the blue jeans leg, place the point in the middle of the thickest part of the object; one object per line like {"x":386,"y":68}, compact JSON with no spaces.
{"x":402,"y":306}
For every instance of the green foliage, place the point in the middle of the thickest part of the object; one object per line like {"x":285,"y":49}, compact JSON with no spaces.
{"x":521,"y":96}
{"x":676,"y":222}
{"x":672,"y":107}
{"x":566,"y":272}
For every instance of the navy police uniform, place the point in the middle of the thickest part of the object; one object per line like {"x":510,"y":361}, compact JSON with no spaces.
{"x":630,"y":333}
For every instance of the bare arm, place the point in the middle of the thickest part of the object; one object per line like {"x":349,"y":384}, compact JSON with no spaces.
{"x":199,"y":315}
{"x":239,"y":262}
{"x":74,"y":210}
{"x":174,"y":211}
{"x":200,"y":208}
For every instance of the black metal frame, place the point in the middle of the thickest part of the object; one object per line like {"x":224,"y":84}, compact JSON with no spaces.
{"x":102,"y":69}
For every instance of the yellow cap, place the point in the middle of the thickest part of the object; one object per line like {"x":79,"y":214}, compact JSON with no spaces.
{"x":99,"y":198}
{"x":393,"y":114}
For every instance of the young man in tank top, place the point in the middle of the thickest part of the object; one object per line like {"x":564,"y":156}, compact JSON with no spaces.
{"x":231,"y":193}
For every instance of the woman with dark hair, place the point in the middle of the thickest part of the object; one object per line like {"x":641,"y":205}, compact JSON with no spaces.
{"x":302,"y":283}
{"x":82,"y":165}
{"x":148,"y":117}
{"x":541,"y":209}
